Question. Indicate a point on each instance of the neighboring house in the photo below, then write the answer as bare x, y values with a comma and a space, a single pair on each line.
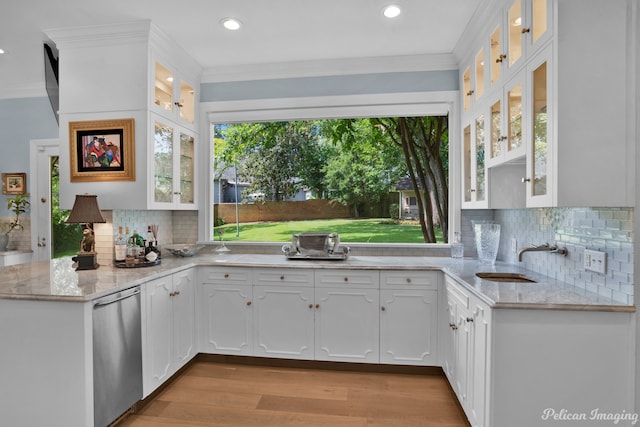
408, 201
225, 187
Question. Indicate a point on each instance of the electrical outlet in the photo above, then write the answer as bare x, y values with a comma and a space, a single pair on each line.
514, 245
595, 261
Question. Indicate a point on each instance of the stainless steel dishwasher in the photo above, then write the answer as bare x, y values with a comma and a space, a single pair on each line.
117, 355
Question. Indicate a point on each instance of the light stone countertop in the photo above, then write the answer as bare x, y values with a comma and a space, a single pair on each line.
57, 279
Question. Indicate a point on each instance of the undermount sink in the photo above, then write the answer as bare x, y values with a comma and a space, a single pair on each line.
505, 277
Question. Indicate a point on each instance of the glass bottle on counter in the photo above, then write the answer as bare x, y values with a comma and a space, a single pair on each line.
120, 246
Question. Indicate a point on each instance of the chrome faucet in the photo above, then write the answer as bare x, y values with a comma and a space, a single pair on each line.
546, 247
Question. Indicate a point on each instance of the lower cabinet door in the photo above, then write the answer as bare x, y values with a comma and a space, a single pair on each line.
158, 359
408, 327
347, 324
184, 319
228, 319
283, 322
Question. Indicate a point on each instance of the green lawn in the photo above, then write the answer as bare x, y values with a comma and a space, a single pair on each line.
376, 230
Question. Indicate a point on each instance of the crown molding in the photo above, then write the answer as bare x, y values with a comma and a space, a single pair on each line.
100, 35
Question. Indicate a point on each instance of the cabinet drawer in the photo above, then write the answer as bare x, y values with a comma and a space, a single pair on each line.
455, 292
351, 278
283, 277
225, 275
407, 279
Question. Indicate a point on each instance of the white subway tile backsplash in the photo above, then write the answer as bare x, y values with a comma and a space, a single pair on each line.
604, 229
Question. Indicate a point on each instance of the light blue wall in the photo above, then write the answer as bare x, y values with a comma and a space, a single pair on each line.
21, 120
357, 84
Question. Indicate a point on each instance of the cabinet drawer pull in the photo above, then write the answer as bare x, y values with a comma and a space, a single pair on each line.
346, 279
226, 275
281, 277
526, 30
178, 104
248, 303
469, 319
501, 58
453, 326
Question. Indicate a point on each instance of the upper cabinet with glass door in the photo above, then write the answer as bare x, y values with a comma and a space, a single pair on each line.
526, 28
172, 185
173, 96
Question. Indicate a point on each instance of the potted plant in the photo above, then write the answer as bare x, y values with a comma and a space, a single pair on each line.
18, 205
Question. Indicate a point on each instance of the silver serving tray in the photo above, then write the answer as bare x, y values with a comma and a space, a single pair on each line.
328, 257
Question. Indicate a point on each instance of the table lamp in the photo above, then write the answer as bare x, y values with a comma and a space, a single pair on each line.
86, 211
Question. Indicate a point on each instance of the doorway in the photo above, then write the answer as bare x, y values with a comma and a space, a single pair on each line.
51, 236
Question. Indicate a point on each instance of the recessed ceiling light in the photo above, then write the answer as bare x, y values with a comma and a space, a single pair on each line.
231, 24
391, 11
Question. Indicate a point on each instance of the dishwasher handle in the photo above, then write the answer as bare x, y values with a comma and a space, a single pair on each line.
120, 298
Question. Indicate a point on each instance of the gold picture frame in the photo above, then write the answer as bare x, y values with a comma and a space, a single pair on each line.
14, 183
102, 150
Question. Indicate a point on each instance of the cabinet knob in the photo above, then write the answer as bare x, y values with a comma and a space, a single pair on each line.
453, 326
176, 293
311, 306
525, 180
469, 319
470, 93
408, 279
501, 58
248, 303
171, 294
502, 138
526, 30
178, 104
383, 308
317, 306
346, 279
226, 276
281, 277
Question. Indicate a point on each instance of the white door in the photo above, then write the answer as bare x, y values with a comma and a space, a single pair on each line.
408, 327
184, 318
347, 327
228, 319
283, 322
41, 152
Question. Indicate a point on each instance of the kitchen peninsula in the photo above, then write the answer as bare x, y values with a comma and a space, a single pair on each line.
557, 345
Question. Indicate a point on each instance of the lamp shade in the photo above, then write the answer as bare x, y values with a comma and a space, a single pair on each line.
85, 210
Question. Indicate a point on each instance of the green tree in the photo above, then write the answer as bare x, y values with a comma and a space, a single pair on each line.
364, 165
276, 158
425, 145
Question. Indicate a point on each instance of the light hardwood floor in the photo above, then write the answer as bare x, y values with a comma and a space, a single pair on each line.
222, 393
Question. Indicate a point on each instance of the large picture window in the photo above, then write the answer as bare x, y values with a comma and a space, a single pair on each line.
338, 164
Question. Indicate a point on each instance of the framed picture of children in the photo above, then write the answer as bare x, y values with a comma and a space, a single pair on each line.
102, 150
14, 183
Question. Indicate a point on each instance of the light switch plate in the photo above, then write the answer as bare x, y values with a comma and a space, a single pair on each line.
514, 245
595, 261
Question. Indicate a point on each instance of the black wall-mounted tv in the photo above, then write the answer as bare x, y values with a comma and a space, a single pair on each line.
51, 79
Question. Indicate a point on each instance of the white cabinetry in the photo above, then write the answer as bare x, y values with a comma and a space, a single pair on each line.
131, 84
347, 315
227, 315
172, 166
560, 72
283, 313
168, 327
467, 356
409, 317
507, 364
320, 314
